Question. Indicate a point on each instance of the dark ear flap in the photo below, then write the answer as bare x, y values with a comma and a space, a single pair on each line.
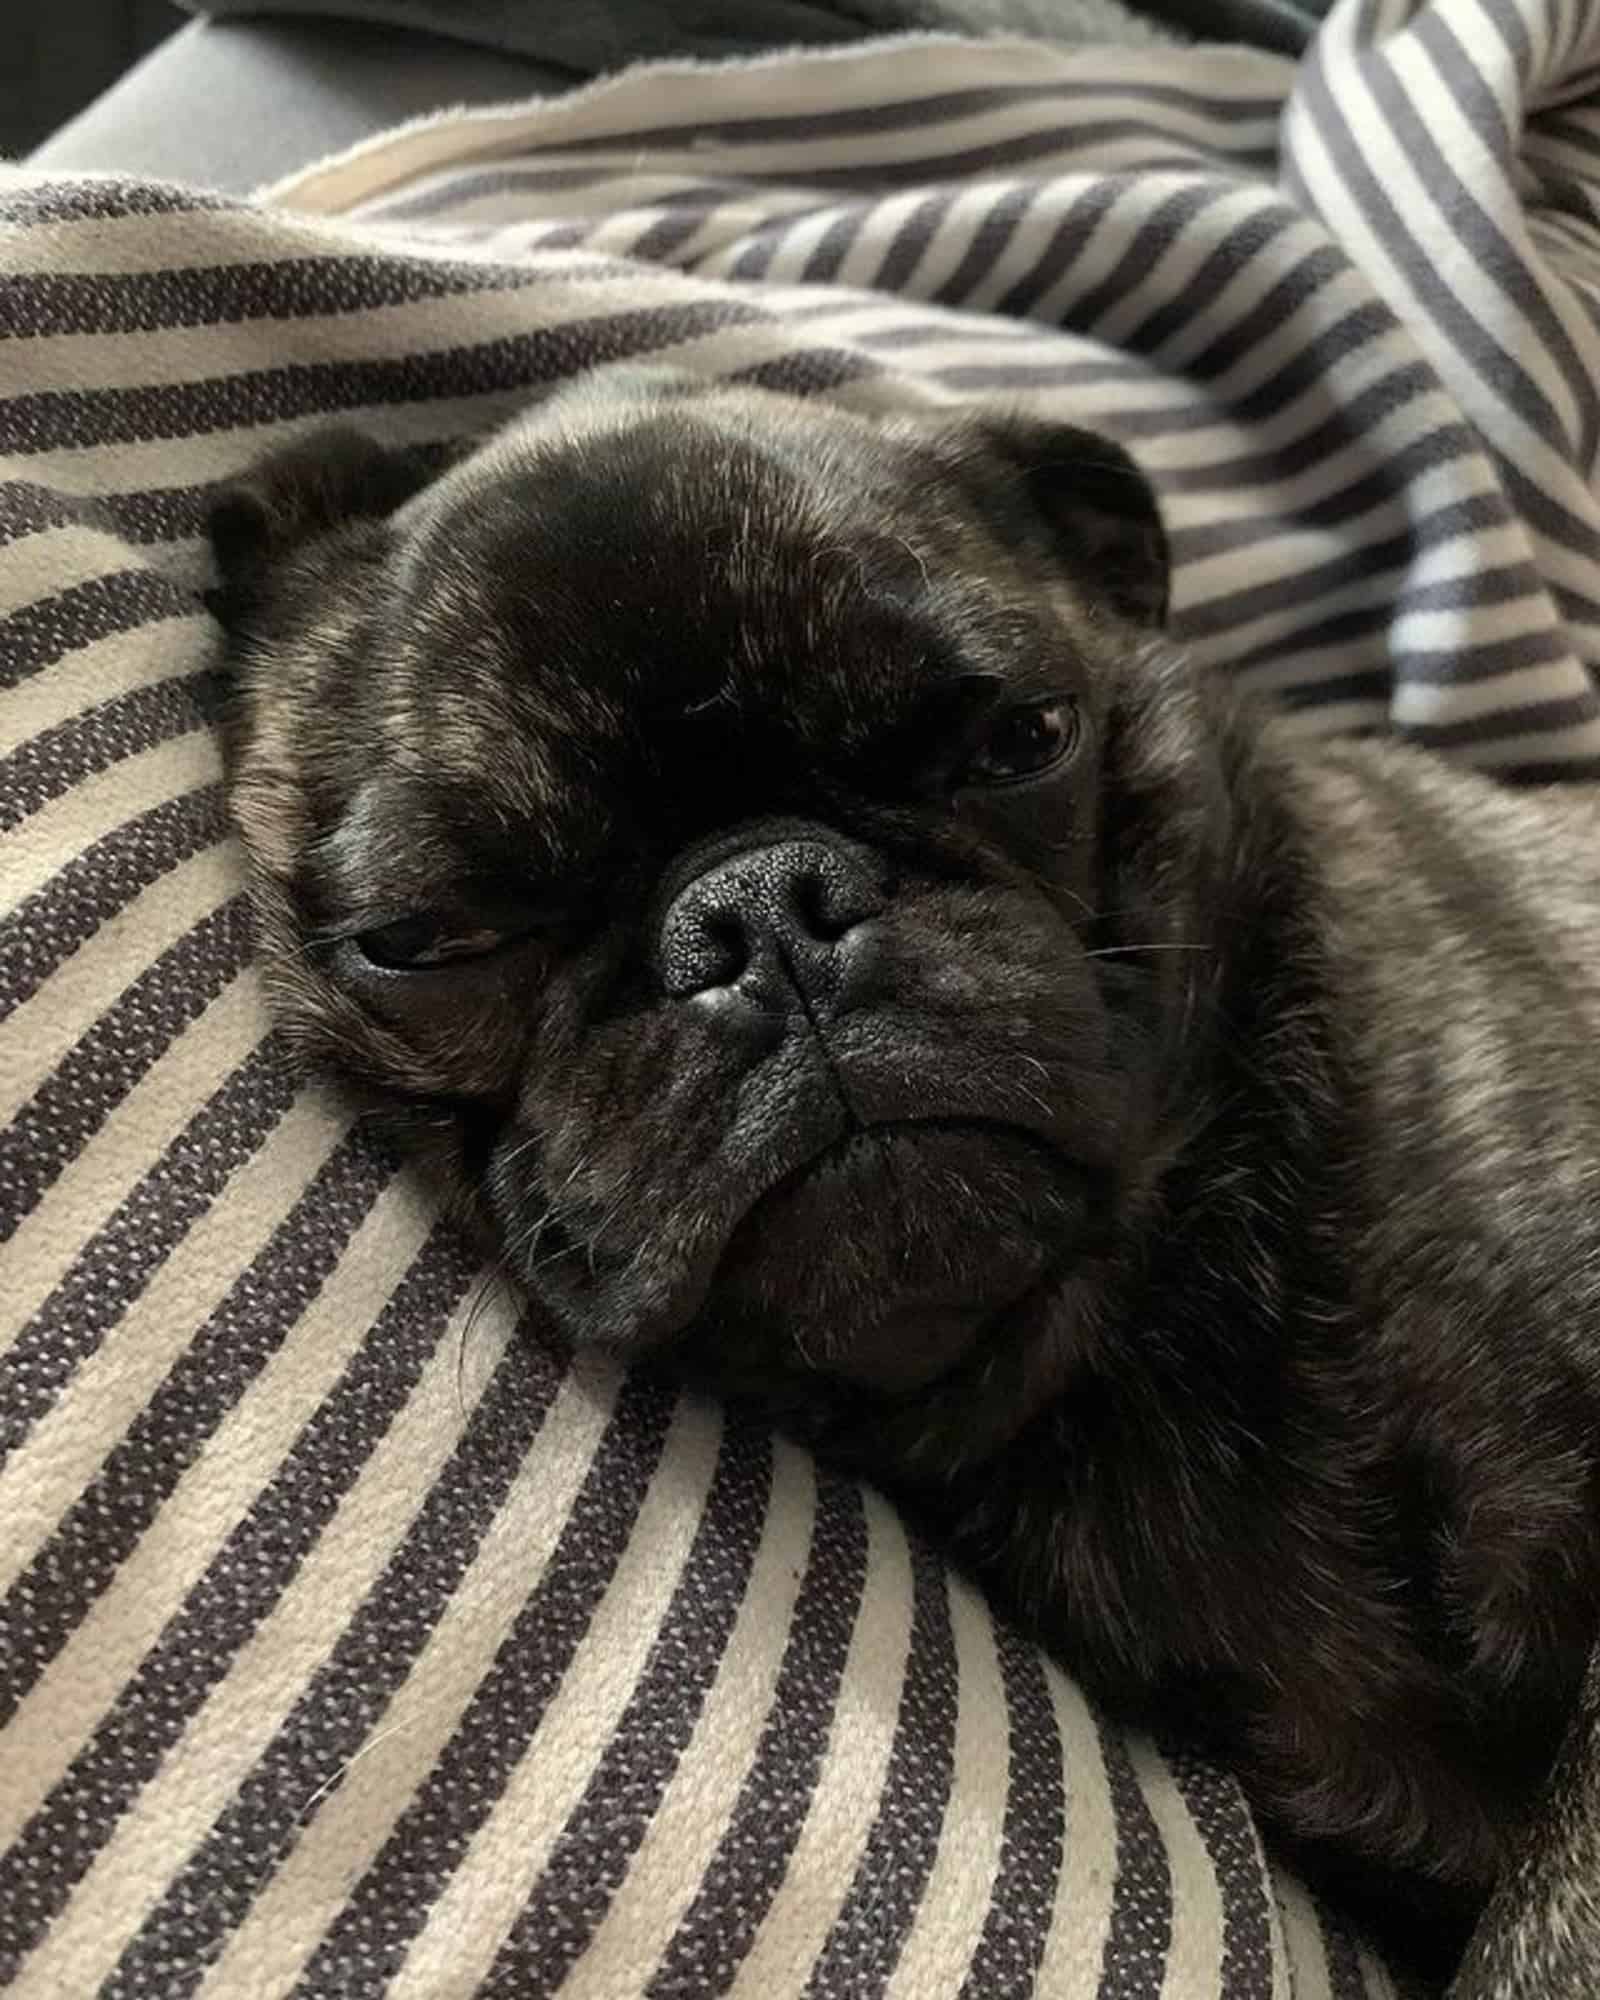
1100, 509
309, 487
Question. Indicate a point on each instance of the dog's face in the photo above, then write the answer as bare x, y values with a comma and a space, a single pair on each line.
754, 847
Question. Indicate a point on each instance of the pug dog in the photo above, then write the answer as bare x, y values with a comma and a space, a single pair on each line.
771, 865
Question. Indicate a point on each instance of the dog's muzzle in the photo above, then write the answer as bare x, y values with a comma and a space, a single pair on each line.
775, 928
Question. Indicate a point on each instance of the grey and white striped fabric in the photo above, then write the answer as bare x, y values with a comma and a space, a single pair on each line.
349, 1644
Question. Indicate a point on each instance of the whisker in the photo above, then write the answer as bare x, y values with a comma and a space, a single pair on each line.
337, 1777
1120, 950
494, 1276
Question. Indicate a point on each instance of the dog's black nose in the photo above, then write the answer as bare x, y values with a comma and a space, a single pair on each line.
772, 923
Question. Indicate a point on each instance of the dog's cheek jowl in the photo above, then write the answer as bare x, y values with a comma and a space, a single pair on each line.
465, 1033
605, 1180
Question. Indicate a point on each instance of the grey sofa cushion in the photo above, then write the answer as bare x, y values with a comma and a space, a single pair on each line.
586, 33
234, 104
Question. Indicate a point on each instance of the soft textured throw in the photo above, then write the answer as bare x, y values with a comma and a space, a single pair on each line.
349, 1644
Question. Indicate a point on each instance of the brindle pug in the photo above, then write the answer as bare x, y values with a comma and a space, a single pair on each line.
767, 859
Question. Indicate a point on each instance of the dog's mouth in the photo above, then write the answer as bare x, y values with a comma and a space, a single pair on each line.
878, 1258
892, 1254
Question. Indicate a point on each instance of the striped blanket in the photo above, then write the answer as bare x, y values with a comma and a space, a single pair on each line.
350, 1644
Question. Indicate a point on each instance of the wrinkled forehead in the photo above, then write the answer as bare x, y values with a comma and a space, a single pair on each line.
659, 430
671, 616
654, 556
680, 501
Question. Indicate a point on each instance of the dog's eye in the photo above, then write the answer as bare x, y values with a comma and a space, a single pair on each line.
1022, 742
416, 943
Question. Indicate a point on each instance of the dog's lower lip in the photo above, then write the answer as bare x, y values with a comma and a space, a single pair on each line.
600, 1316
864, 1136
948, 1281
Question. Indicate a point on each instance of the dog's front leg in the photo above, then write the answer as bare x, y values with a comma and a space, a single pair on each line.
1539, 1939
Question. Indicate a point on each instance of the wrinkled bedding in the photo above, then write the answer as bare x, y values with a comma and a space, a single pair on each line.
352, 1643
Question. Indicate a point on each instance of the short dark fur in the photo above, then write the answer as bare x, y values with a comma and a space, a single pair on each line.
1178, 1174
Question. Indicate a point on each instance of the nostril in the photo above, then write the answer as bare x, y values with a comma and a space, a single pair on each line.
704, 943
730, 948
815, 908
830, 901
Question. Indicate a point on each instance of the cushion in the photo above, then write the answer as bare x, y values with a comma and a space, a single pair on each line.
595, 35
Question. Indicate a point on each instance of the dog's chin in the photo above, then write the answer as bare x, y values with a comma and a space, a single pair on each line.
894, 1257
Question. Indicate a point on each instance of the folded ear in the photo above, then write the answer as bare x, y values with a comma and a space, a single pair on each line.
1099, 508
306, 490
